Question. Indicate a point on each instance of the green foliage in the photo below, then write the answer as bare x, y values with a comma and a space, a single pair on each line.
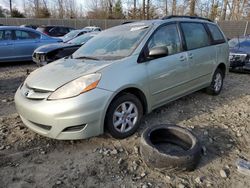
118, 11
17, 14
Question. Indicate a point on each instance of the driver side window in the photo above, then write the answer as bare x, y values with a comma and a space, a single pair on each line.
166, 36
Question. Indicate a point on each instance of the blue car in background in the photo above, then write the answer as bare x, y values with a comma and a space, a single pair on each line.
19, 43
239, 54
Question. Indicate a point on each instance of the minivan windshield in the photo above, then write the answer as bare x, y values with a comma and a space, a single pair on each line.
115, 43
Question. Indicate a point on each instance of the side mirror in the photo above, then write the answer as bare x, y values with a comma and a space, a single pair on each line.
158, 52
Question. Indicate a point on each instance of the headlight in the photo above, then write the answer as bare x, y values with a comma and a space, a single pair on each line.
76, 87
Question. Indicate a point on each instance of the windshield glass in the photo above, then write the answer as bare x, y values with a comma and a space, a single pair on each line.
114, 43
81, 39
71, 34
239, 42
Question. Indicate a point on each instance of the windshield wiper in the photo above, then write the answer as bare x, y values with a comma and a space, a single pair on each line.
86, 57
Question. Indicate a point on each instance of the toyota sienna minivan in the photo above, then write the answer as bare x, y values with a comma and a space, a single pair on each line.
121, 74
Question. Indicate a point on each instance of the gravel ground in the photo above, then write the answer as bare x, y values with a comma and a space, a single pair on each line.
222, 124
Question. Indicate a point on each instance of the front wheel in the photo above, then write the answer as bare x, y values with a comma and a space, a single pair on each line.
124, 115
217, 83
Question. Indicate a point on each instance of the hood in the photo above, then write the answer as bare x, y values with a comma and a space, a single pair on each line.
56, 74
241, 50
50, 47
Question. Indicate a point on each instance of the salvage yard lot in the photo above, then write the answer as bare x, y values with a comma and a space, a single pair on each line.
222, 124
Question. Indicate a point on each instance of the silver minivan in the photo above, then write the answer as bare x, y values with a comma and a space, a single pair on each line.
120, 75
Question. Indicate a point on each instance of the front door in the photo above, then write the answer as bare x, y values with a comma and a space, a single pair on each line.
25, 43
167, 75
6, 45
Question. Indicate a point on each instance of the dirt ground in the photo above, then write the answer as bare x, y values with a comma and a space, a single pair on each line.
222, 124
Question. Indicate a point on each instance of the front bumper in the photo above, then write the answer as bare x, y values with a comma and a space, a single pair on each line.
68, 119
238, 60
40, 59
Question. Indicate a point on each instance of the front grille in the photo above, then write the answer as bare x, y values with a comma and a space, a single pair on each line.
35, 93
37, 89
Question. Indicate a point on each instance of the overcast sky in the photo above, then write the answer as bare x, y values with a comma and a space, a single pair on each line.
19, 4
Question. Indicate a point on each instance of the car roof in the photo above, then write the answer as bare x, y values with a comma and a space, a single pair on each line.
17, 27
92, 27
43, 26
169, 19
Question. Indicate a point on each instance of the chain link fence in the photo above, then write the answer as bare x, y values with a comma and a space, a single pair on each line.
230, 28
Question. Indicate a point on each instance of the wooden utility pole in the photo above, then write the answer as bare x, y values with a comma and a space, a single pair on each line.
148, 12
134, 9
174, 7
143, 9
166, 8
192, 8
11, 7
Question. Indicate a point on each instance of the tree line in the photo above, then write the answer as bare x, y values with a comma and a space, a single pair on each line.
130, 9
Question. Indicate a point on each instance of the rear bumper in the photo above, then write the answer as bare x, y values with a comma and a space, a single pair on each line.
68, 119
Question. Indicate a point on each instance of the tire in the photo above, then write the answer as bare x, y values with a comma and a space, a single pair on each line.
216, 84
119, 121
158, 158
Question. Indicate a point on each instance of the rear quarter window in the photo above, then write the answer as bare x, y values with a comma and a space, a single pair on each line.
195, 35
216, 34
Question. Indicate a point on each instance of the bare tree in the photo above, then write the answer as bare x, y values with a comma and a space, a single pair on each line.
60, 5
224, 11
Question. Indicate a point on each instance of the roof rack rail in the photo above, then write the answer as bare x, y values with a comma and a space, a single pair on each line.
190, 17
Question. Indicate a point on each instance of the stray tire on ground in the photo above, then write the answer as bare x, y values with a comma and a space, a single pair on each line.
170, 147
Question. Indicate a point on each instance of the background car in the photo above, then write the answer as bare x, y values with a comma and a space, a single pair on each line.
18, 44
55, 31
74, 34
93, 28
30, 26
48, 53
239, 54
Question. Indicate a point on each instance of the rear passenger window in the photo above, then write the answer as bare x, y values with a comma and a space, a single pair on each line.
195, 35
216, 33
26, 35
5, 35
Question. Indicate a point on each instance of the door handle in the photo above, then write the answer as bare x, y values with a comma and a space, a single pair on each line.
190, 56
8, 44
182, 58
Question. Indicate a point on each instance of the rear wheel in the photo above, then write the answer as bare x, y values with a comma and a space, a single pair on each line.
124, 115
217, 83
